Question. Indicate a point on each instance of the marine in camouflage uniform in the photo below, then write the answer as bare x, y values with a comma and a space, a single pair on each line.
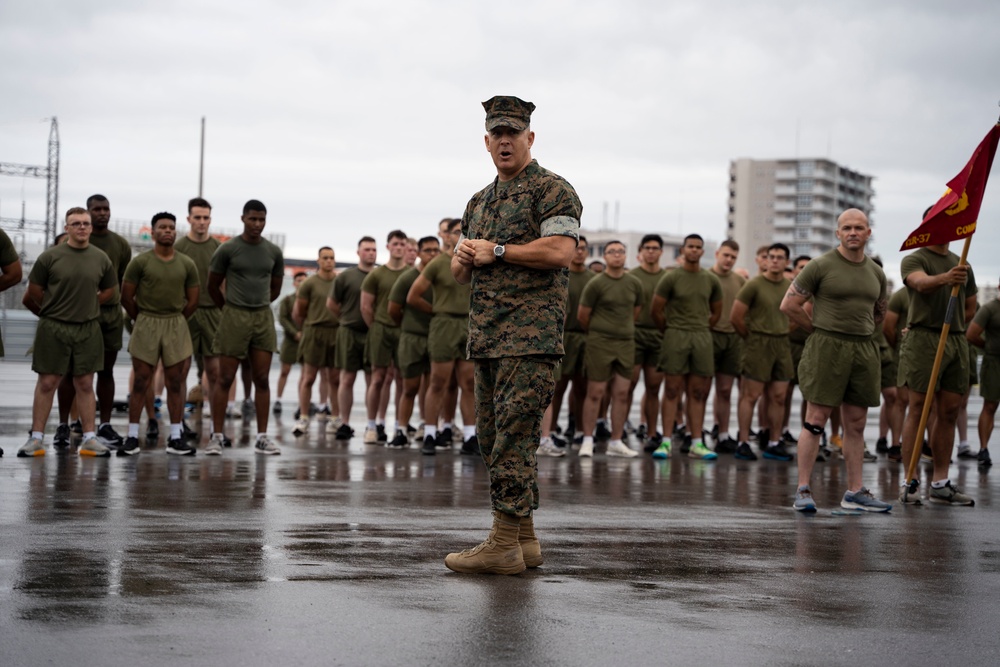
518, 236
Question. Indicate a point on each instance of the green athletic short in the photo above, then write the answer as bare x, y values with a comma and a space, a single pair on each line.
383, 345
318, 346
837, 368
414, 360
67, 347
917, 358
202, 326
448, 338
767, 358
241, 329
289, 351
574, 346
351, 353
156, 339
687, 353
647, 346
989, 378
605, 357
973, 365
112, 322
797, 350
727, 348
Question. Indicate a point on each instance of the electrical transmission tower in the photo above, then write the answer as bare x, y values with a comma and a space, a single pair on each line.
49, 227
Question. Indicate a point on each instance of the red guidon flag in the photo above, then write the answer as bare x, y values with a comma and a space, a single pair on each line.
954, 216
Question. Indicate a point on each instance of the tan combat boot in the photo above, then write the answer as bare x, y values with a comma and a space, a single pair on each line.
499, 554
531, 550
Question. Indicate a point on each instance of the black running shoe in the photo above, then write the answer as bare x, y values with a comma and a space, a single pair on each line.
380, 435
686, 443
763, 437
894, 453
727, 445
777, 453
180, 447
108, 437
744, 453
61, 441
187, 432
653, 443
76, 426
984, 458
444, 438
881, 446
427, 449
966, 454
344, 432
152, 431
789, 439
400, 441
471, 447
602, 432
641, 433
130, 448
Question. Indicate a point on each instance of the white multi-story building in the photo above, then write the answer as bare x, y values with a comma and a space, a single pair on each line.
792, 201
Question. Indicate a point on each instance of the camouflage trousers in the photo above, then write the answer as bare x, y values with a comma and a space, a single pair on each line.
511, 396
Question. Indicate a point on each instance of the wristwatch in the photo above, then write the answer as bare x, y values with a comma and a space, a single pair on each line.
498, 251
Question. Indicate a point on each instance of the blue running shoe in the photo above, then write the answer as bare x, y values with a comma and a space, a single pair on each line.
862, 499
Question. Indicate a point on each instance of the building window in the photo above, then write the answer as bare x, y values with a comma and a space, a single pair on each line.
806, 168
805, 185
804, 201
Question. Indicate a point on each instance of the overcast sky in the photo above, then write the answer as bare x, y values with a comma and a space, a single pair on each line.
351, 118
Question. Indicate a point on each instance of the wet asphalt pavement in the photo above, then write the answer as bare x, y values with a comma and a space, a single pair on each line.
332, 554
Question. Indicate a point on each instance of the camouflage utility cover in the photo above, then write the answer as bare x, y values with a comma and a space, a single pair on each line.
515, 310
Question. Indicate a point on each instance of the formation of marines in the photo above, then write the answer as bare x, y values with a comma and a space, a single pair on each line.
497, 318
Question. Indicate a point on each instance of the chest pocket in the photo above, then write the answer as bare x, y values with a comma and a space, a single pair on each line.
510, 218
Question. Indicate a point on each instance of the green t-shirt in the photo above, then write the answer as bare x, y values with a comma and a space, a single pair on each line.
844, 293
379, 283
613, 301
346, 291
248, 269
577, 281
450, 298
315, 290
119, 252
899, 303
8, 253
731, 283
201, 253
285, 316
414, 321
763, 299
988, 317
928, 310
70, 279
515, 310
161, 285
689, 296
649, 281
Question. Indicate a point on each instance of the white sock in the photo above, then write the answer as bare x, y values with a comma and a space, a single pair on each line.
38, 435
445, 425
431, 431
940, 484
468, 432
175, 431
615, 443
261, 435
371, 424
133, 430
88, 435
588, 441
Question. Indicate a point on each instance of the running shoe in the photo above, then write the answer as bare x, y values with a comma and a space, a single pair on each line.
399, 441
642, 432
548, 448
152, 431
894, 453
187, 432
663, 451
602, 432
301, 426
700, 451
558, 440
180, 447
109, 437
949, 495
586, 450
344, 432
62, 440
744, 452
445, 438
429, 446
686, 443
804, 500
789, 439
371, 436
215, 445
380, 435
926, 455
763, 437
248, 409
862, 499
76, 426
234, 413
33, 447
984, 458
881, 446
94, 447
471, 446
823, 454
869, 457
130, 448
653, 443
727, 445
276, 409
620, 449
265, 446
965, 452
908, 497
776, 453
